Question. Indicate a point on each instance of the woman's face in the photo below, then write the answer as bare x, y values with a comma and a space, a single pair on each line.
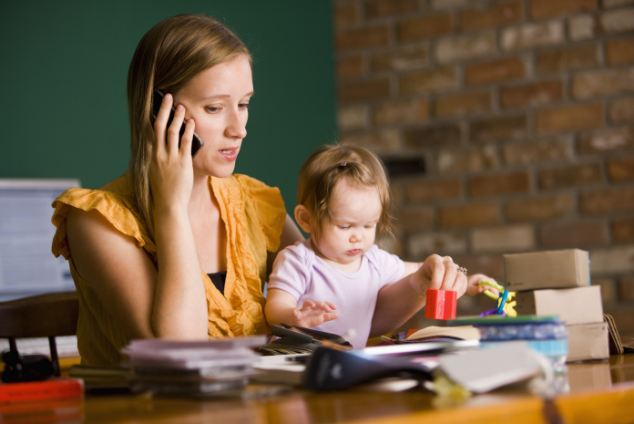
217, 99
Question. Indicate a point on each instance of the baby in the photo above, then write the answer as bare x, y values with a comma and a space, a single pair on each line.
339, 280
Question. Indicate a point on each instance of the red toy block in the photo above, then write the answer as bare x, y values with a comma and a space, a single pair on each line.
441, 304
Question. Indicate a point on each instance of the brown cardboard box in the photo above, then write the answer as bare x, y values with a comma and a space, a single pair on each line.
587, 341
547, 269
580, 305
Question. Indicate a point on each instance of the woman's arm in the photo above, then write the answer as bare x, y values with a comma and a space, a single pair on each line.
125, 280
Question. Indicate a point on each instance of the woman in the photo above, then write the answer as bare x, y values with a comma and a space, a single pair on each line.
178, 246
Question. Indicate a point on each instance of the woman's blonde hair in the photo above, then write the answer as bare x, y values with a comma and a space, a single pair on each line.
328, 165
168, 56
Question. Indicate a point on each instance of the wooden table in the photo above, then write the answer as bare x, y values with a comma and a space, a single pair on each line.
599, 392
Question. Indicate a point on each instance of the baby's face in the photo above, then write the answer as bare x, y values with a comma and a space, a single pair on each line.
351, 229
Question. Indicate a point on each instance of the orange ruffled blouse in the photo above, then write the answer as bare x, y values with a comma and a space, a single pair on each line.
254, 216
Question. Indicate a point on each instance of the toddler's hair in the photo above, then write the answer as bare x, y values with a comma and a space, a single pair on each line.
331, 163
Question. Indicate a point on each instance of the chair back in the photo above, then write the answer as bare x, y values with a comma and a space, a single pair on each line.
47, 315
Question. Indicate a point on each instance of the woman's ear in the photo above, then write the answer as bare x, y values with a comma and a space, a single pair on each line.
303, 217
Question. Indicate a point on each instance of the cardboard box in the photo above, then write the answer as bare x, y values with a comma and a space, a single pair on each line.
580, 305
587, 341
547, 269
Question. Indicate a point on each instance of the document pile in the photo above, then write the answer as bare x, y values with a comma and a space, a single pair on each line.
192, 368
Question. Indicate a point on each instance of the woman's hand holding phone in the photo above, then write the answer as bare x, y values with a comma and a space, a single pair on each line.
157, 100
171, 171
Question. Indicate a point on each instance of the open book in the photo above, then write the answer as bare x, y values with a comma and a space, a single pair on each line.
437, 333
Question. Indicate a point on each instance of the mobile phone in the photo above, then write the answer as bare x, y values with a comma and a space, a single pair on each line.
157, 99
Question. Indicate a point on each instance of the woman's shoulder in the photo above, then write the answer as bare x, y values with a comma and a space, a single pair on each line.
113, 202
114, 199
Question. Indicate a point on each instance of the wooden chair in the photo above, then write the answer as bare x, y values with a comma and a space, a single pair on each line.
48, 315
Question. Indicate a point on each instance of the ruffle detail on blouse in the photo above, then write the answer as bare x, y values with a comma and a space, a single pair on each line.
110, 205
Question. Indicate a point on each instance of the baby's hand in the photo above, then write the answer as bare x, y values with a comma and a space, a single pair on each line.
474, 287
313, 313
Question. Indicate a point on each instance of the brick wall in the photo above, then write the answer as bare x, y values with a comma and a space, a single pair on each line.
522, 112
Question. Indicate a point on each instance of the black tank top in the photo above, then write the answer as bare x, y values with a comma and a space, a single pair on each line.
219, 278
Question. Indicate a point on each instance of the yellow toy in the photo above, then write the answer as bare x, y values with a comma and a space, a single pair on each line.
505, 299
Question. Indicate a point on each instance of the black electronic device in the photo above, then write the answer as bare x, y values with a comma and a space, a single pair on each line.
157, 99
296, 340
334, 369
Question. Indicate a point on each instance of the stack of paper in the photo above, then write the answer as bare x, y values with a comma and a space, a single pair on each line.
210, 367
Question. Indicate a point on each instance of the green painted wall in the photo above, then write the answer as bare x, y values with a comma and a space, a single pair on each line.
63, 69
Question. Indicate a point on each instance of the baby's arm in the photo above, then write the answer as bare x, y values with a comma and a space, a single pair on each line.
281, 307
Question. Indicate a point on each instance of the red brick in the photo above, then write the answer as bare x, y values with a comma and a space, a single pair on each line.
351, 66
347, 14
421, 245
612, 260
622, 230
621, 168
607, 200
582, 27
412, 111
424, 27
620, 20
464, 160
491, 185
353, 117
414, 218
574, 234
550, 8
361, 91
501, 14
607, 4
619, 51
570, 176
463, 103
498, 128
575, 57
504, 238
532, 34
607, 140
490, 265
426, 81
540, 208
531, 94
469, 215
539, 151
608, 289
382, 141
602, 82
400, 59
461, 47
433, 136
622, 110
375, 36
382, 8
423, 191
569, 118
495, 71
626, 289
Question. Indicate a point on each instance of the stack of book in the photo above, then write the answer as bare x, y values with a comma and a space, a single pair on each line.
558, 283
192, 368
545, 334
